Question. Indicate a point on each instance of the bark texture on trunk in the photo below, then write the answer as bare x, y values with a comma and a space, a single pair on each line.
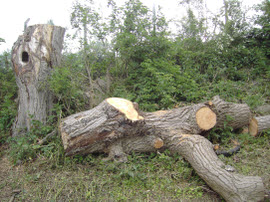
116, 118
230, 114
263, 110
259, 124
117, 127
34, 55
198, 151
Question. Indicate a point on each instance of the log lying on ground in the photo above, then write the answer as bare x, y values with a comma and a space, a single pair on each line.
115, 118
259, 124
232, 114
117, 128
263, 110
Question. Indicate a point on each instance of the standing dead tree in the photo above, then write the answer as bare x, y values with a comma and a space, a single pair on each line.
34, 55
117, 127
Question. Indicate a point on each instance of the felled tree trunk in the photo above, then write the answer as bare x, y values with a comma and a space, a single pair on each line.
258, 124
230, 114
263, 110
34, 55
117, 127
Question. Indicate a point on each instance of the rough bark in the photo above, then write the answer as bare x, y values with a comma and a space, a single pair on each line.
117, 127
115, 118
230, 114
34, 55
263, 110
259, 124
231, 186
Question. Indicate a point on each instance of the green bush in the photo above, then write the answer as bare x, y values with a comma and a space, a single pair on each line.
8, 106
26, 148
67, 84
160, 84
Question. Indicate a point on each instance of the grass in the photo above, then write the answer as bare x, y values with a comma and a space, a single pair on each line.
145, 177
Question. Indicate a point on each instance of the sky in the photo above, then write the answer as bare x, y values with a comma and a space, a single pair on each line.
13, 14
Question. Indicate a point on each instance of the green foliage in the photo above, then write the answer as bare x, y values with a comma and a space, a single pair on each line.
150, 85
2, 40
222, 136
8, 93
260, 36
26, 148
192, 28
7, 115
67, 84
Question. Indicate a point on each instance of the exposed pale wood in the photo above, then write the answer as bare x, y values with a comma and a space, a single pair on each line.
34, 55
230, 114
126, 107
258, 124
206, 118
158, 143
115, 128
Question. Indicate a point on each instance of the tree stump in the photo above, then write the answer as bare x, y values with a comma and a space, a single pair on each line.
117, 127
34, 55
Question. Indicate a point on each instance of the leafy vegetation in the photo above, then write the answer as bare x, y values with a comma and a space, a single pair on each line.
132, 54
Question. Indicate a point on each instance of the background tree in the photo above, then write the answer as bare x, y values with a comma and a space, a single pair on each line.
260, 36
1, 40
8, 94
86, 19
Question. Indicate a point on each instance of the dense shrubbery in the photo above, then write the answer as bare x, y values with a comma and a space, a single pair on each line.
8, 94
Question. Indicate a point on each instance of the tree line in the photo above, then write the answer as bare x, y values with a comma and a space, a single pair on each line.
131, 53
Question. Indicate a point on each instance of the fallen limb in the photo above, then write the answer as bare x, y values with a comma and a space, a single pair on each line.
116, 127
45, 139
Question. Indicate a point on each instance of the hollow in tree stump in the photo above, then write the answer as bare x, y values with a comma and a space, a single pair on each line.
34, 55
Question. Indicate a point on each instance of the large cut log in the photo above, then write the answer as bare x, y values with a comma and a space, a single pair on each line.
34, 55
230, 114
117, 127
115, 118
259, 124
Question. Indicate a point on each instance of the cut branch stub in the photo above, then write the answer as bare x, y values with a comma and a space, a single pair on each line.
258, 124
